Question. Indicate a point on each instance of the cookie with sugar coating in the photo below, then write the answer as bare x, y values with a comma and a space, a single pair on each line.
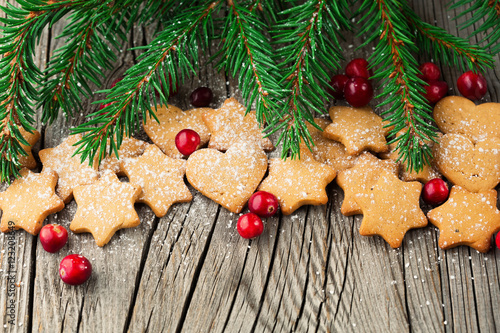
228, 178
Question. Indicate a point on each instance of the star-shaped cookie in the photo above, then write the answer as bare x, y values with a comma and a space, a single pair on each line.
105, 207
328, 151
467, 218
427, 173
298, 182
360, 179
28, 161
71, 172
172, 120
358, 129
29, 200
391, 208
130, 147
228, 125
161, 179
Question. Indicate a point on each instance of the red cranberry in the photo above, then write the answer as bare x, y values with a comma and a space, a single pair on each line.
201, 97
75, 269
472, 85
53, 237
497, 240
338, 84
435, 91
358, 68
250, 226
263, 203
172, 88
187, 141
358, 91
435, 192
115, 82
430, 72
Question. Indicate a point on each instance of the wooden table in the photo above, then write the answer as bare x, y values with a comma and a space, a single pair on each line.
191, 272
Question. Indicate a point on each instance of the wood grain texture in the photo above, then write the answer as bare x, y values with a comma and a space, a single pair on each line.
309, 272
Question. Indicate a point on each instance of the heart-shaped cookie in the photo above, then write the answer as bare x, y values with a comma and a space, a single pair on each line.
227, 178
454, 114
473, 166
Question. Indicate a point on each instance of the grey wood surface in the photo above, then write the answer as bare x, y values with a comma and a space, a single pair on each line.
191, 272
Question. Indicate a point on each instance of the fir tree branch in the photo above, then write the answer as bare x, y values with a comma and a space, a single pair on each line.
82, 59
246, 50
398, 73
447, 48
489, 10
19, 74
174, 49
309, 33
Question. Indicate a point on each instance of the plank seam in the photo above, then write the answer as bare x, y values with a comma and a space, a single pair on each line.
268, 278
138, 278
196, 275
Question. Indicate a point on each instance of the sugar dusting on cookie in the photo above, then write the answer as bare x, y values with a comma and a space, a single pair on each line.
231, 178
229, 124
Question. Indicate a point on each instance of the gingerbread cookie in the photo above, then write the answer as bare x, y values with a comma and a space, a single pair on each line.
358, 129
161, 179
454, 114
473, 166
69, 168
467, 219
28, 161
130, 147
361, 178
228, 124
298, 182
172, 120
228, 179
427, 172
391, 208
29, 200
328, 151
105, 207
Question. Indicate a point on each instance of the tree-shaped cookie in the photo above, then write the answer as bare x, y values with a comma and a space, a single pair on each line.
298, 182
105, 207
467, 218
161, 179
71, 171
229, 124
172, 120
391, 208
29, 200
358, 129
360, 179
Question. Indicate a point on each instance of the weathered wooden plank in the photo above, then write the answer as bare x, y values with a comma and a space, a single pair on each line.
17, 248
181, 241
102, 304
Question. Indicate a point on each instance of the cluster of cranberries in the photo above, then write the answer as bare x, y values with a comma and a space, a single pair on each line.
435, 88
74, 269
355, 85
261, 204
